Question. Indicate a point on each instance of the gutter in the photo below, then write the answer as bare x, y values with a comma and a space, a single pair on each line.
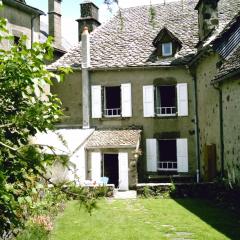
145, 67
197, 151
226, 76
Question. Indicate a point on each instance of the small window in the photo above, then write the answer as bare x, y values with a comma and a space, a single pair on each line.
167, 49
167, 155
16, 40
166, 100
112, 101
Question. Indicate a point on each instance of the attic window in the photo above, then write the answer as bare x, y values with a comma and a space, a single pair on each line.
166, 43
167, 49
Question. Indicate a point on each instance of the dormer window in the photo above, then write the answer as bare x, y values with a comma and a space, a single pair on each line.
167, 49
166, 44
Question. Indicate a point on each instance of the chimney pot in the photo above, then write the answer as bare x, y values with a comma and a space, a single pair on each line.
88, 18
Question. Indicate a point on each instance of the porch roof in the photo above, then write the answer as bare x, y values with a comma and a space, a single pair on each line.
114, 139
62, 141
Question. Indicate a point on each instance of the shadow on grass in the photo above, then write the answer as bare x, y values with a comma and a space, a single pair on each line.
220, 219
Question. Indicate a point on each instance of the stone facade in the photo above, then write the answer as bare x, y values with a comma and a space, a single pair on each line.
178, 127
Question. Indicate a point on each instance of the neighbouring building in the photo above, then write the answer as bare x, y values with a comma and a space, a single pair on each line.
23, 19
144, 87
216, 74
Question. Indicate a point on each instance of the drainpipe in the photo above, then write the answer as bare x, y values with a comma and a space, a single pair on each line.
196, 121
221, 128
85, 77
32, 27
196, 127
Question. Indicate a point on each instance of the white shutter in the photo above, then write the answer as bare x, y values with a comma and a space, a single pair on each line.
96, 101
152, 154
96, 158
126, 96
148, 101
182, 155
182, 97
123, 170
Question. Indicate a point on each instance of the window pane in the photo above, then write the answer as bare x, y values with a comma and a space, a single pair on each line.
167, 49
168, 150
113, 99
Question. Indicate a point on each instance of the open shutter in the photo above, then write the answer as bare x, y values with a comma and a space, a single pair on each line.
126, 95
96, 158
152, 155
148, 101
96, 101
182, 155
182, 97
123, 170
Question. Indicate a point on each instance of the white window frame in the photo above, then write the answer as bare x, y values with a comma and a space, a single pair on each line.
164, 53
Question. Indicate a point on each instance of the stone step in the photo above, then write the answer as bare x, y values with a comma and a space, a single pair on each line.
125, 194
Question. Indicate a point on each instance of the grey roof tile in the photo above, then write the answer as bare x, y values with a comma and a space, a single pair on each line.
231, 65
128, 43
114, 138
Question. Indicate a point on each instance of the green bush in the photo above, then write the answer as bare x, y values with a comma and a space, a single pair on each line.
33, 232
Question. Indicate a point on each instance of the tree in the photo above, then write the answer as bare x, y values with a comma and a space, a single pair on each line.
25, 109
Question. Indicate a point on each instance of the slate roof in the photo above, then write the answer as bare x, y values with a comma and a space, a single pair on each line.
126, 41
114, 139
231, 65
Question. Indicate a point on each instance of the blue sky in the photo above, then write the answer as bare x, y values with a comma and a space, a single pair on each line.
70, 12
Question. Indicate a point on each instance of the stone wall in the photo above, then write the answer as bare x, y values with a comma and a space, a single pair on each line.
208, 108
231, 127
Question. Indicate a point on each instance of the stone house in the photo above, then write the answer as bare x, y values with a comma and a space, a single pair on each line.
145, 89
23, 19
216, 76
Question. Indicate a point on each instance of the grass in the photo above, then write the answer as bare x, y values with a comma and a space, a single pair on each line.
150, 219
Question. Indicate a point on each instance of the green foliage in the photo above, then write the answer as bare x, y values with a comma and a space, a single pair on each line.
25, 109
33, 231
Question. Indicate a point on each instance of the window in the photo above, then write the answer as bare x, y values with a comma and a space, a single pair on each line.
16, 40
167, 49
167, 160
170, 155
112, 101
165, 101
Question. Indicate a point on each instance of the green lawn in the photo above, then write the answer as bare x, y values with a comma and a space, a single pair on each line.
150, 219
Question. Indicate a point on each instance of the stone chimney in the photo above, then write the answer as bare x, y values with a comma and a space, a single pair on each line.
207, 17
54, 21
85, 78
89, 17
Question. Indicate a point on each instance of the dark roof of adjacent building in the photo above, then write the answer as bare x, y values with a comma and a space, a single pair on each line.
230, 66
127, 39
114, 138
